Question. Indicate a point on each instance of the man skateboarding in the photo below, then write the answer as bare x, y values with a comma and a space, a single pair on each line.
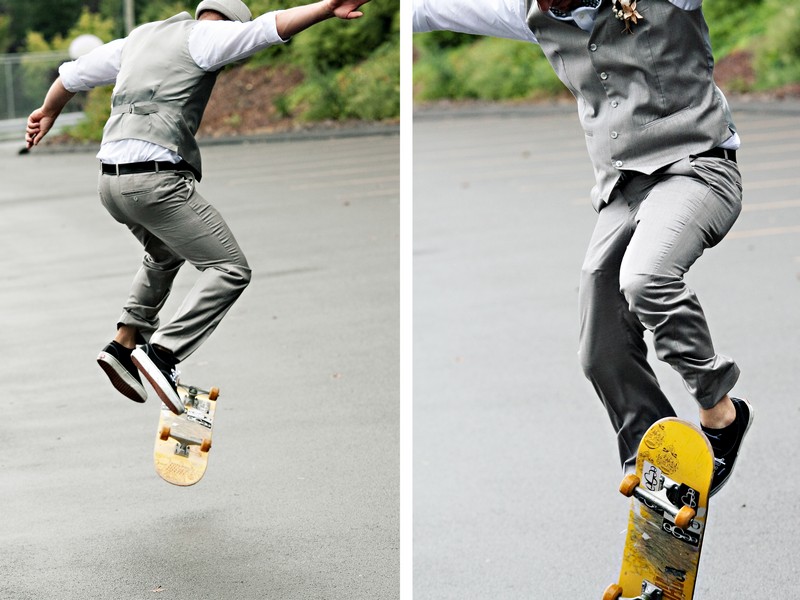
164, 73
663, 147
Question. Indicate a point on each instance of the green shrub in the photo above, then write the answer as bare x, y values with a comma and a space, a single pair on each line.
733, 24
96, 113
368, 91
334, 44
371, 90
486, 69
778, 54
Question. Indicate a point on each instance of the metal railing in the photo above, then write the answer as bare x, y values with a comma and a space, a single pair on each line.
25, 79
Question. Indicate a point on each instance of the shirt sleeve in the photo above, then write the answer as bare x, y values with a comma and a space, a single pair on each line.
495, 18
98, 67
214, 44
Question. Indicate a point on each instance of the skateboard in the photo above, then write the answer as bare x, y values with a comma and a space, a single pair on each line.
183, 441
668, 512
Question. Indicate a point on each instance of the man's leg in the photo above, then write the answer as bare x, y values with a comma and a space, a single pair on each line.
151, 285
679, 218
196, 231
148, 292
140, 318
686, 212
612, 348
174, 223
126, 336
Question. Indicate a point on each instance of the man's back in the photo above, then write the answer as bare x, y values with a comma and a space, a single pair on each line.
161, 92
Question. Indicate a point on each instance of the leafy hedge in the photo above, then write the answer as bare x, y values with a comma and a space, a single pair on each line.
352, 70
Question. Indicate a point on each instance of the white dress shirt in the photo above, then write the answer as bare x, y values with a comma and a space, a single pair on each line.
212, 45
508, 19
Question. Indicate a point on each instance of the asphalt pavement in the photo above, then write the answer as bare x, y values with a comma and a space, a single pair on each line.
301, 496
515, 466
515, 462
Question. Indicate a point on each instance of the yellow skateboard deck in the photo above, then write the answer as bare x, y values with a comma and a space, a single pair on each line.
183, 441
669, 507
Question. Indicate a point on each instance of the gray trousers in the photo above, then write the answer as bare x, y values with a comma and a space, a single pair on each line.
175, 224
652, 230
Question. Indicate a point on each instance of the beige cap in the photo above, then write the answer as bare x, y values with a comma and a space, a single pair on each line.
235, 10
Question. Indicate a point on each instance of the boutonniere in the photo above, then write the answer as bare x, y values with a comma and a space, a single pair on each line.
625, 11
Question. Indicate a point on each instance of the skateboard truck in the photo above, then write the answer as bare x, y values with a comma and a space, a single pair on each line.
182, 443
649, 592
682, 515
191, 396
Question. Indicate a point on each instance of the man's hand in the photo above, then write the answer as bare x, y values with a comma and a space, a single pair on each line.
346, 9
38, 125
41, 120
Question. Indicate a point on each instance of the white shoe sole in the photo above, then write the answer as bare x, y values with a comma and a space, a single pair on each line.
156, 378
120, 378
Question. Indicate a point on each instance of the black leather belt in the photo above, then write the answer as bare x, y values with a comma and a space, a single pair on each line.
150, 166
719, 153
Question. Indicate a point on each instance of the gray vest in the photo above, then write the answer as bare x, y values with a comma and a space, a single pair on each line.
160, 94
645, 99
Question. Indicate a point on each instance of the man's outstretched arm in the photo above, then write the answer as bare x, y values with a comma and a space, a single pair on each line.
294, 20
98, 67
494, 18
41, 120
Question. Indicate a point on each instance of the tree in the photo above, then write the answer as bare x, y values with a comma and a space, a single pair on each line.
48, 17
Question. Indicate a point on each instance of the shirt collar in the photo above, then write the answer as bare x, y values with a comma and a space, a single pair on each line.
583, 16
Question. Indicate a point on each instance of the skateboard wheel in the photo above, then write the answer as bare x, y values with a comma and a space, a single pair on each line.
213, 393
629, 483
613, 592
684, 517
206, 445
164, 433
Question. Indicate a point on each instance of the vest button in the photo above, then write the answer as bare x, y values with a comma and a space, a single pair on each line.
593, 47
614, 104
604, 75
618, 164
614, 135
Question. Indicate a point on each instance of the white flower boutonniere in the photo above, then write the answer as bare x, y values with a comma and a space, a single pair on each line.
625, 11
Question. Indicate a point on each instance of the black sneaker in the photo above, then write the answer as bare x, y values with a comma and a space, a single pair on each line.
160, 371
726, 442
115, 360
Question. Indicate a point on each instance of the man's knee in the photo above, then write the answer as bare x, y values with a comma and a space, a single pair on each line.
590, 359
238, 276
232, 279
641, 290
